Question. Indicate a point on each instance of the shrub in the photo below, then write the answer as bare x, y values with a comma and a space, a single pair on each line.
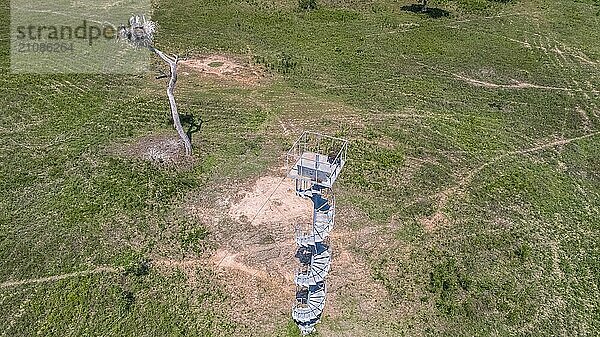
307, 4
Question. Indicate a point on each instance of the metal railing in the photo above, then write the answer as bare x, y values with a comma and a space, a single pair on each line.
333, 148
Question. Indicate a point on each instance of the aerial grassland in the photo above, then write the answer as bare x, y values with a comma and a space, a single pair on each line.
470, 204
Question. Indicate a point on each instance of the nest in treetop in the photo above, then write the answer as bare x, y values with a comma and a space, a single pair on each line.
139, 33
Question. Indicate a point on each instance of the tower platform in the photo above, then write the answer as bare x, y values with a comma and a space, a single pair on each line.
317, 158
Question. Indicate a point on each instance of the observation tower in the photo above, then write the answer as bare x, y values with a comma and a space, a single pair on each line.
314, 162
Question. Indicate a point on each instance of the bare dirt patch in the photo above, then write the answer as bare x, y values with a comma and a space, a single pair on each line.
252, 224
259, 305
276, 260
161, 149
225, 259
277, 197
437, 220
263, 243
224, 67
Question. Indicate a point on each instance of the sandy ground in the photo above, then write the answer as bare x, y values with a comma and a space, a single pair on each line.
268, 213
259, 273
283, 206
224, 68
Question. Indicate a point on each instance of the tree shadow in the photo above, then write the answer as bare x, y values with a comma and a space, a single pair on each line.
434, 13
189, 122
193, 125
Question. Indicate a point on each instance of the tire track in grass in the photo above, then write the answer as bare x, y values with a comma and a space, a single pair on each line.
458, 189
98, 270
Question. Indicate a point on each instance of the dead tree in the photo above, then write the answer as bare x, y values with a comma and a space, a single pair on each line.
140, 34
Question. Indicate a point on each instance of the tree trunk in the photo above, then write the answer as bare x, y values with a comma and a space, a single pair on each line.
176, 121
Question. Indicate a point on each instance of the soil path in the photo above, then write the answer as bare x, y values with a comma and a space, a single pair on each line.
59, 277
445, 195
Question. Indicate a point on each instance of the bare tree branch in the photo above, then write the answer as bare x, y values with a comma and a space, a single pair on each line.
140, 34
170, 93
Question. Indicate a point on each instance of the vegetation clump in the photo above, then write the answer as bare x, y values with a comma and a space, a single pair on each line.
307, 5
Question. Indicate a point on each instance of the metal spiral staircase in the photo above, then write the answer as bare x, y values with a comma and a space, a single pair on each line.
314, 162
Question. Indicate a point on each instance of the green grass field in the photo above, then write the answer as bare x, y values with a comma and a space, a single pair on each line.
472, 193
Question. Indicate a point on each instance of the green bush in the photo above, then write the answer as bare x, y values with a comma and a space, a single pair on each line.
449, 283
307, 4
